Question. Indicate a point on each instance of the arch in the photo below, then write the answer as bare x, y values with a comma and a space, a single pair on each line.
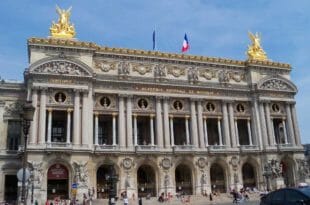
61, 66
146, 181
102, 176
276, 83
58, 181
288, 171
218, 178
183, 179
248, 175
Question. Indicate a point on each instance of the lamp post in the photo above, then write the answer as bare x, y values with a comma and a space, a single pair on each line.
112, 178
27, 116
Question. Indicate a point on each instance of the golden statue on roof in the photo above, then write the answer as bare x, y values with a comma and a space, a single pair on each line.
63, 28
255, 51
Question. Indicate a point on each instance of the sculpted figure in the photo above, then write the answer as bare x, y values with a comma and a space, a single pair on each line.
63, 28
255, 51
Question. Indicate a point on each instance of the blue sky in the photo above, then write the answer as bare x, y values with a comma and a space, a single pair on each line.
214, 28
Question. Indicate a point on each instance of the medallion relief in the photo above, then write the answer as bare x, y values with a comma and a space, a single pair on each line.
105, 66
141, 68
176, 71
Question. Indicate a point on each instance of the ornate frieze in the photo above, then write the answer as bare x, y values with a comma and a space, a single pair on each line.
208, 74
276, 83
176, 71
142, 69
13, 109
193, 75
61, 68
105, 66
160, 71
124, 68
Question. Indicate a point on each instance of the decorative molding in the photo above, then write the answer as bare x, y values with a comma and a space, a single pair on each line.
142, 69
276, 83
60, 68
13, 109
105, 66
208, 74
176, 71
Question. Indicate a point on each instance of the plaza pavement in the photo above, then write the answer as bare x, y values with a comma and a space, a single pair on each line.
223, 199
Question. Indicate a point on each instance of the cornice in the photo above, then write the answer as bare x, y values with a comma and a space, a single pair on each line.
72, 43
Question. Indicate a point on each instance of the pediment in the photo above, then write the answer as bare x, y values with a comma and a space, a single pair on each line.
276, 83
60, 67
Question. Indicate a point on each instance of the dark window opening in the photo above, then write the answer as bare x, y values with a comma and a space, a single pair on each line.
213, 134
143, 130
243, 132
105, 130
279, 131
10, 190
179, 131
14, 135
59, 126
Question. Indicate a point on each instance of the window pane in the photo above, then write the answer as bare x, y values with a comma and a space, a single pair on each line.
14, 134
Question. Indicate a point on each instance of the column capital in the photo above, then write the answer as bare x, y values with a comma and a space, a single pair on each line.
204, 117
228, 101
166, 98
170, 116
158, 97
114, 114
283, 118
264, 101
219, 118
96, 113
134, 114
290, 102
69, 110
152, 115
49, 109
43, 89
187, 116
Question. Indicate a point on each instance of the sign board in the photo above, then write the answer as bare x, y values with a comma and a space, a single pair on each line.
57, 171
74, 186
20, 174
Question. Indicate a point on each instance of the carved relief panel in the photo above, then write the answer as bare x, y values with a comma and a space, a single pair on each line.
60, 97
179, 105
242, 109
143, 104
212, 108
105, 102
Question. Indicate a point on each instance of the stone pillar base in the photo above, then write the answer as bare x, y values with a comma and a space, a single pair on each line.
278, 183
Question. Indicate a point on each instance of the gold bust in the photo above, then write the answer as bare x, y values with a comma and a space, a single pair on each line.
63, 28
255, 51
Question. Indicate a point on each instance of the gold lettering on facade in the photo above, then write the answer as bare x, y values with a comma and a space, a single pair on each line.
60, 81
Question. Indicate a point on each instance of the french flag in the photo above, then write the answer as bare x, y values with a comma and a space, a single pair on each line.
185, 46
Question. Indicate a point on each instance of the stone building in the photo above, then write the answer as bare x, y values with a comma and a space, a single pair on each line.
162, 122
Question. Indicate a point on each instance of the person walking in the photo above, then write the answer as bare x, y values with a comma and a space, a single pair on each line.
125, 200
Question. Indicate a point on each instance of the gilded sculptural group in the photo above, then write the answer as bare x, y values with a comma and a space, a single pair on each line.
63, 28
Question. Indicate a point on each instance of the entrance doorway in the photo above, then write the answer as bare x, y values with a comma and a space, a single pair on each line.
217, 178
10, 190
146, 181
103, 183
183, 180
57, 182
248, 176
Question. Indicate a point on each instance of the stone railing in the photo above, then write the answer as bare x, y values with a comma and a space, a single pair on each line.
145, 148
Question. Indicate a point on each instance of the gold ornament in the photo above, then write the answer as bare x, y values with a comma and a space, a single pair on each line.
255, 51
63, 28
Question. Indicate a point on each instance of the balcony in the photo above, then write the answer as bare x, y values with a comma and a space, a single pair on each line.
183, 148
56, 146
217, 148
249, 148
106, 148
145, 148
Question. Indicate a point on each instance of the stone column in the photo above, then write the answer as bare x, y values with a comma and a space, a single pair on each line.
96, 128
129, 122
49, 126
85, 140
295, 124
234, 138
76, 119
42, 125
114, 128
135, 129
284, 131
201, 123
34, 123
225, 122
263, 125
249, 132
166, 123
255, 122
121, 122
269, 125
219, 128
171, 130
68, 126
237, 131
187, 130
159, 123
205, 128
193, 130
290, 127
152, 129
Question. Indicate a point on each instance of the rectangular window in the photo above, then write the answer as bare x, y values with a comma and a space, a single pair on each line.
14, 134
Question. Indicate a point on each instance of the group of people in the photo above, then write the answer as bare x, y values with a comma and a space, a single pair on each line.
239, 196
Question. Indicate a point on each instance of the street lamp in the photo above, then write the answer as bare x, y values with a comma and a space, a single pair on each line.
112, 178
27, 116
